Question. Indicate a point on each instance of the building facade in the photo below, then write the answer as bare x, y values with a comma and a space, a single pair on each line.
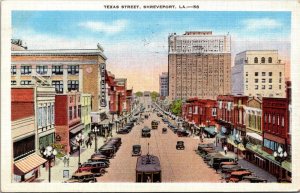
66, 70
199, 65
164, 84
258, 73
86, 107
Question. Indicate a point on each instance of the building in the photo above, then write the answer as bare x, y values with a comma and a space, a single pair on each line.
17, 44
258, 73
146, 100
163, 84
86, 107
121, 87
129, 100
68, 120
26, 161
199, 65
67, 70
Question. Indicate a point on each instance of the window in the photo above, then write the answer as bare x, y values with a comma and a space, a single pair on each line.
246, 73
26, 70
75, 112
73, 85
280, 74
270, 80
269, 60
279, 80
278, 120
270, 73
263, 73
41, 69
246, 80
255, 60
256, 80
256, 73
26, 82
263, 60
266, 118
263, 80
44, 119
246, 87
214, 112
279, 87
79, 110
269, 118
59, 86
73, 69
49, 115
57, 70
70, 113
270, 87
282, 122
273, 119
52, 114
13, 82
263, 87
40, 115
256, 87
13, 70
190, 110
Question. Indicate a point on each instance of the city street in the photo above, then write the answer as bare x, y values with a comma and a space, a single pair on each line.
177, 165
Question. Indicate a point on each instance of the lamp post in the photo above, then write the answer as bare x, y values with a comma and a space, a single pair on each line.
237, 141
208, 122
50, 153
79, 139
95, 130
280, 155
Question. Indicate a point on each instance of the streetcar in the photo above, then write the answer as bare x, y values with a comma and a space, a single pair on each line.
148, 169
154, 124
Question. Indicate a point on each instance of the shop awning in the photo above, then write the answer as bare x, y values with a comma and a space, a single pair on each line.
240, 146
220, 136
211, 130
255, 136
76, 128
27, 164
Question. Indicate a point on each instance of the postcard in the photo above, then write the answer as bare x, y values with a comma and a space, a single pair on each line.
149, 96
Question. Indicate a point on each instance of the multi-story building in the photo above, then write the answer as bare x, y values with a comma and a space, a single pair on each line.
129, 100
121, 87
68, 120
146, 100
258, 73
67, 70
199, 65
163, 84
26, 161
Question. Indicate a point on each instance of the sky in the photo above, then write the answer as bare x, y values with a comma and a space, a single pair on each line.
136, 42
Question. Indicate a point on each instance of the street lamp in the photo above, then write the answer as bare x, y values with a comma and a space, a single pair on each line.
280, 155
50, 153
95, 130
208, 122
79, 139
237, 141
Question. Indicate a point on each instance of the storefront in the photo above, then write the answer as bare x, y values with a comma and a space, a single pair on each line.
46, 140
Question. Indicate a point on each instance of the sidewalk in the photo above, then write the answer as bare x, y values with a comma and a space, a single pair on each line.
58, 169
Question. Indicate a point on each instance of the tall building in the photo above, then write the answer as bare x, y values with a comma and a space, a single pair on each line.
67, 70
199, 65
163, 84
258, 73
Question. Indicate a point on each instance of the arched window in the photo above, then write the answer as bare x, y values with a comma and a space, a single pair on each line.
263, 60
269, 60
255, 60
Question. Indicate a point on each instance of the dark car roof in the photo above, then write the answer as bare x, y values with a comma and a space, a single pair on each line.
136, 146
146, 129
148, 163
180, 142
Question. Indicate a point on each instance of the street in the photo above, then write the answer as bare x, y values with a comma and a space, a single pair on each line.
177, 165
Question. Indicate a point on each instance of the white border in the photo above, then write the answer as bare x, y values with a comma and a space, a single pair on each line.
217, 5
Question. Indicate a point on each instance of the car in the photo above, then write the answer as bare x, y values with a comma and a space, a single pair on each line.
129, 124
174, 129
164, 130
99, 159
124, 130
136, 150
165, 120
146, 132
180, 145
182, 133
97, 168
82, 177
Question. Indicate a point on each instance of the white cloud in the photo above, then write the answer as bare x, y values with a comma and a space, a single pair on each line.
259, 24
108, 28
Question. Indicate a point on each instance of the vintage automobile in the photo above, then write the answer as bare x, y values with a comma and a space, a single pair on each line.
124, 130
146, 132
253, 179
159, 115
164, 130
237, 176
97, 168
82, 177
208, 157
108, 151
182, 133
174, 129
165, 120
129, 124
209, 145
148, 169
180, 145
136, 150
154, 124
204, 151
227, 163
216, 160
99, 159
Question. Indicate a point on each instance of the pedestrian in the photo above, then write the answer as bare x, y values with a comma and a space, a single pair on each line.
225, 149
68, 159
65, 160
90, 144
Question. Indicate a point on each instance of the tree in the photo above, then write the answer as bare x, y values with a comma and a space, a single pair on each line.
139, 94
154, 95
176, 107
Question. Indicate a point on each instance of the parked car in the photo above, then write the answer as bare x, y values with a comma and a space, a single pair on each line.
82, 177
146, 132
129, 124
253, 179
99, 159
174, 129
97, 168
182, 133
164, 130
165, 120
237, 176
180, 145
124, 130
216, 160
108, 151
136, 150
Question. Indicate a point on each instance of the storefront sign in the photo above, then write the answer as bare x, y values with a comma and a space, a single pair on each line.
102, 86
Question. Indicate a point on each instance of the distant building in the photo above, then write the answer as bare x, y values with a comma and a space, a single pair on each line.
17, 44
199, 65
258, 73
164, 84
146, 100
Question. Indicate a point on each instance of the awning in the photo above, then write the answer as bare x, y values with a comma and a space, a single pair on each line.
240, 146
76, 128
255, 136
220, 136
27, 164
211, 130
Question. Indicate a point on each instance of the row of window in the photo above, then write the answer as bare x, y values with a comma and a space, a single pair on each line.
56, 70
263, 87
263, 60
213, 111
271, 144
264, 73
45, 116
74, 112
59, 86
272, 119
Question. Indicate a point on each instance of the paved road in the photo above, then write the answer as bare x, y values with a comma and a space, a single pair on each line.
177, 165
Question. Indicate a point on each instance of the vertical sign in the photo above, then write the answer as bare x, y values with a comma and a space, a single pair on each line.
102, 86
